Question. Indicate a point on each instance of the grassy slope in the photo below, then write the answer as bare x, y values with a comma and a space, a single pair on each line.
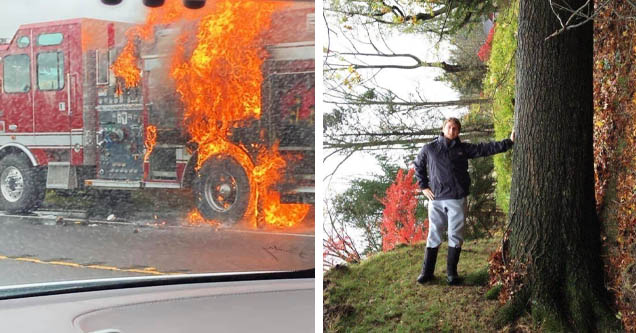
380, 294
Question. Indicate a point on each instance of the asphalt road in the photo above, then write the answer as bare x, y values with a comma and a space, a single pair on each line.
41, 249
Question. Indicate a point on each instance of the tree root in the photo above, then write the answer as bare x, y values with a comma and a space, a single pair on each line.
579, 310
514, 309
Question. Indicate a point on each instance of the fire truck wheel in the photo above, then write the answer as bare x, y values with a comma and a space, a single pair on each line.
22, 186
222, 190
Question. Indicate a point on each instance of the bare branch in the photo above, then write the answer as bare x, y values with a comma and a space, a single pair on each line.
360, 145
432, 131
339, 164
397, 12
585, 17
461, 102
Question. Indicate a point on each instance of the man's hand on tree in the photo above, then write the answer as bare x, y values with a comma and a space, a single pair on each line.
512, 136
428, 193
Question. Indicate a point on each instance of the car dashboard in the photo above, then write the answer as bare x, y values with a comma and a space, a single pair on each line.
254, 302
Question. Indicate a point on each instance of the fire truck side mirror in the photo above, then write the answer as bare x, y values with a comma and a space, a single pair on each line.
194, 4
153, 3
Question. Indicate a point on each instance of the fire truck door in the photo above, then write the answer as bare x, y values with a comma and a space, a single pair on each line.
16, 100
54, 89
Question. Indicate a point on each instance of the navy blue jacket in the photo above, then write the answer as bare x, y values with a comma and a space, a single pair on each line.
442, 165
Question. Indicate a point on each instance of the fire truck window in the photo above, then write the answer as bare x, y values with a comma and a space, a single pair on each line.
51, 71
23, 42
17, 73
50, 39
102, 67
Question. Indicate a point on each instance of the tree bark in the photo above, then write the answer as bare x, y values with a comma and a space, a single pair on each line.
554, 229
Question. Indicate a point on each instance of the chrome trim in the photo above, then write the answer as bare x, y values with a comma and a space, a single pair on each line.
44, 139
151, 184
126, 184
301, 189
12, 184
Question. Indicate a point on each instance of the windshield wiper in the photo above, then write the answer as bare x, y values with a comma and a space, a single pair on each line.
65, 287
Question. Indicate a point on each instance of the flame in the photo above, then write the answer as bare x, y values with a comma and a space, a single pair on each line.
151, 139
126, 66
195, 218
221, 82
118, 90
266, 174
270, 163
218, 75
283, 215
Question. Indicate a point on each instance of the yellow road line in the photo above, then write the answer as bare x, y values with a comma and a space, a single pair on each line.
62, 263
147, 270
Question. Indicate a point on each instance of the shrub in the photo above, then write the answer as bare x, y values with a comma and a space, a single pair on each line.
500, 86
484, 50
399, 225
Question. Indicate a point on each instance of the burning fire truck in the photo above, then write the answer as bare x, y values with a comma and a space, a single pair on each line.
69, 118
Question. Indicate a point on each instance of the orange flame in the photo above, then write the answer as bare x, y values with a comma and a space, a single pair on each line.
266, 174
126, 66
195, 218
221, 82
218, 77
151, 140
283, 215
118, 90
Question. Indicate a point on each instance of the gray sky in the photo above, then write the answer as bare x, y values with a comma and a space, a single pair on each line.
16, 12
401, 82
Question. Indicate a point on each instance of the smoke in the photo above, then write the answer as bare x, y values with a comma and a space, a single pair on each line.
14, 13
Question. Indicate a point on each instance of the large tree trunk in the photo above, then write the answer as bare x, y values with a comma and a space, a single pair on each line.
554, 229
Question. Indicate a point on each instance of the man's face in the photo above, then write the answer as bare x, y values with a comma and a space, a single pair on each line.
451, 130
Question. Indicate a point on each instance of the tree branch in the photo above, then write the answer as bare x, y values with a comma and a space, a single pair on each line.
461, 102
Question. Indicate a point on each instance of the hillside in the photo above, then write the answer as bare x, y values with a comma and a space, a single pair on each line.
380, 294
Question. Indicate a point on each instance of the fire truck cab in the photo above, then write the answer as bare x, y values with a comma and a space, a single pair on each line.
65, 124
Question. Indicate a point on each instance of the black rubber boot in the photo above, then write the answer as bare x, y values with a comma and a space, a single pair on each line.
428, 267
451, 266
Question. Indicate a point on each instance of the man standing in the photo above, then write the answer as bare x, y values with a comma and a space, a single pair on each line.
441, 169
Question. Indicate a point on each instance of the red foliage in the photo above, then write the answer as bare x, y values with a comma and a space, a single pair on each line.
338, 245
398, 218
510, 274
614, 127
484, 50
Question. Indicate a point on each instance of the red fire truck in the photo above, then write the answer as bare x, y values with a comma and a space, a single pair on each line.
65, 124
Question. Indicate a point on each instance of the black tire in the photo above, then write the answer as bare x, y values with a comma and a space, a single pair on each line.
22, 186
222, 190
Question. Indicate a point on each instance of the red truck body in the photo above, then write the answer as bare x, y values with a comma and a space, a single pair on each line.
61, 113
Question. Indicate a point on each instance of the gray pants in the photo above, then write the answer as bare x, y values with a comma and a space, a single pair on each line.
451, 212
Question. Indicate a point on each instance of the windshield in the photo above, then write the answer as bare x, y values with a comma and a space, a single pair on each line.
151, 141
